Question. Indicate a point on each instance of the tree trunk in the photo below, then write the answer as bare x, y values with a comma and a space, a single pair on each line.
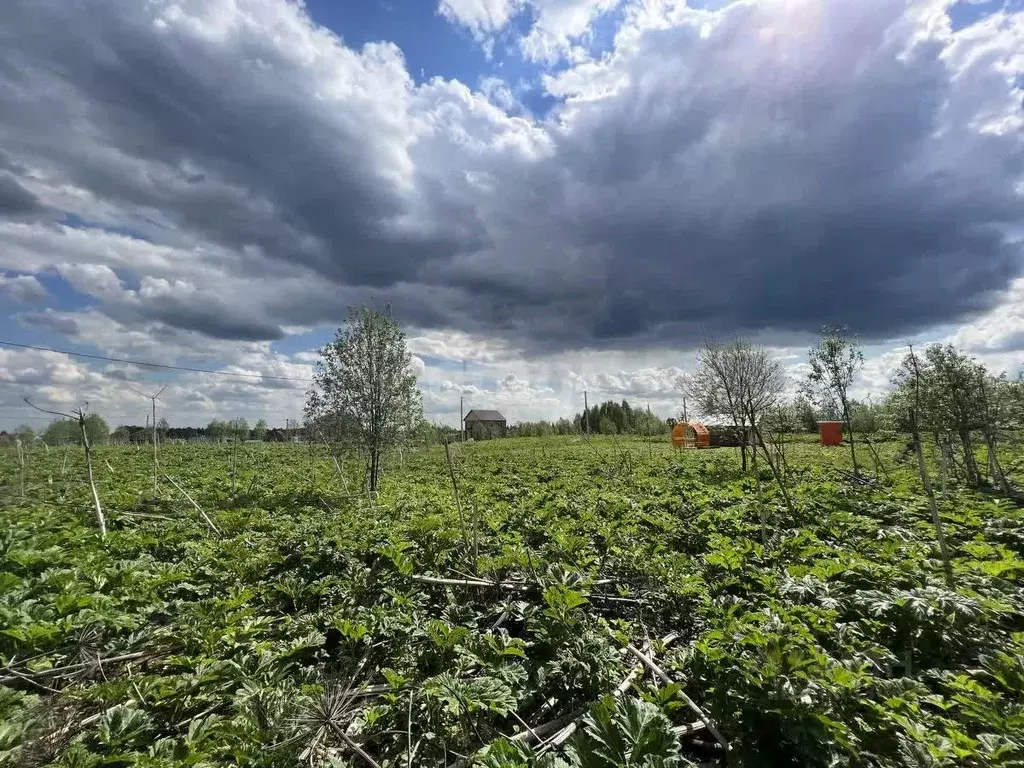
374, 471
943, 472
995, 467
741, 433
775, 471
970, 465
926, 481
849, 431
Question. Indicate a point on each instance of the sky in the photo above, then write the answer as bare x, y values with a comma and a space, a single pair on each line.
554, 196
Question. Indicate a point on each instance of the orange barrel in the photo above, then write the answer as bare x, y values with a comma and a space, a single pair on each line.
830, 432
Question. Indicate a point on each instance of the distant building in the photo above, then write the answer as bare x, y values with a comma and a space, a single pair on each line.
483, 424
725, 435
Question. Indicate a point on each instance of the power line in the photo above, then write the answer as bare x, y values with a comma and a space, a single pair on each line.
154, 365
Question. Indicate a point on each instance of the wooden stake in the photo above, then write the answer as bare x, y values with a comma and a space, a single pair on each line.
455, 490
202, 514
92, 483
21, 465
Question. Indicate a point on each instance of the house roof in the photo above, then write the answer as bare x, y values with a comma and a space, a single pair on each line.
476, 415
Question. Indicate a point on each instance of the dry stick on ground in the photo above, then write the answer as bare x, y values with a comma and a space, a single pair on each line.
68, 669
31, 681
353, 746
146, 515
689, 729
510, 585
202, 514
83, 723
79, 415
649, 663
204, 713
566, 731
556, 732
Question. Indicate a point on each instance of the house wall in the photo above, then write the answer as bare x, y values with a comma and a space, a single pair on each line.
482, 430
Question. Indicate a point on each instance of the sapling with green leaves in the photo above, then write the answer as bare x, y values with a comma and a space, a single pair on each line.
912, 371
364, 389
259, 430
956, 398
835, 363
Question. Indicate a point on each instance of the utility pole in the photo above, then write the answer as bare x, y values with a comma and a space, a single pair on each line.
153, 400
462, 420
586, 412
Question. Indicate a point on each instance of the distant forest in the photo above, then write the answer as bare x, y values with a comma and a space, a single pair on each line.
608, 418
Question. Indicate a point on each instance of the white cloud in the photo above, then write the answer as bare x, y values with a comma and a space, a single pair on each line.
999, 330
59, 382
559, 25
96, 280
23, 288
482, 17
557, 29
456, 346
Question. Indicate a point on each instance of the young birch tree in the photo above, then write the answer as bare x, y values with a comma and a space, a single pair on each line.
914, 384
835, 363
364, 390
739, 380
955, 398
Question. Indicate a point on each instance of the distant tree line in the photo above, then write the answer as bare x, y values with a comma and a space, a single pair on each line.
216, 431
66, 431
608, 418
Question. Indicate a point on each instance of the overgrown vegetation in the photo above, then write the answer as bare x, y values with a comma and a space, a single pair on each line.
315, 626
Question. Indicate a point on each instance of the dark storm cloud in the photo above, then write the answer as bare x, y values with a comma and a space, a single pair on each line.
215, 324
792, 164
737, 187
249, 155
218, 326
15, 200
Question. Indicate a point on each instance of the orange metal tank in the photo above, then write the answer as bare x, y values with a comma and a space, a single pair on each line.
830, 432
679, 434
690, 434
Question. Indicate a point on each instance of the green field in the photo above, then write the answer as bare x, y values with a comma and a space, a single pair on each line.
317, 628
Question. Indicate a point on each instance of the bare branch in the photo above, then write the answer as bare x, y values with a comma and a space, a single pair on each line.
52, 413
660, 673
